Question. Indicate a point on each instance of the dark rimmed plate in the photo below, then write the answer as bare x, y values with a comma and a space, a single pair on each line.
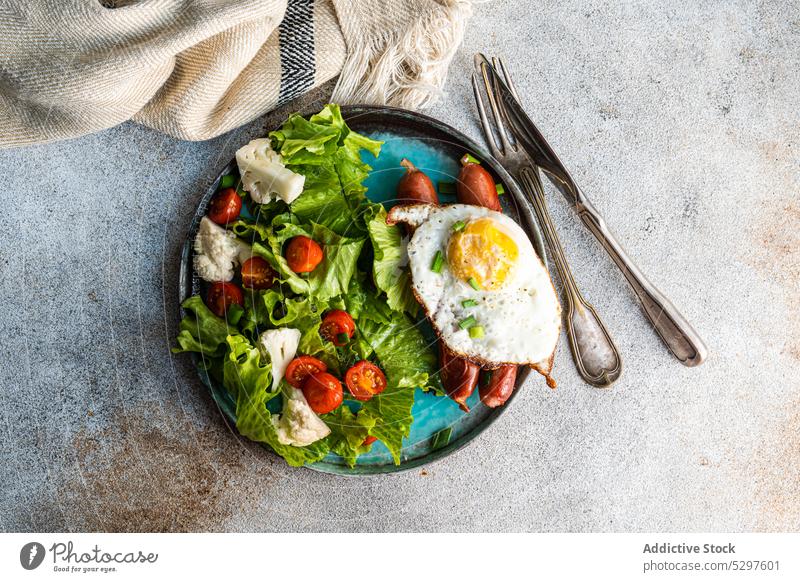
435, 148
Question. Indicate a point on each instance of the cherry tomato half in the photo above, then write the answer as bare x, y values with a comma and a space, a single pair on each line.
301, 368
221, 296
365, 380
225, 206
337, 327
323, 392
369, 440
257, 274
303, 254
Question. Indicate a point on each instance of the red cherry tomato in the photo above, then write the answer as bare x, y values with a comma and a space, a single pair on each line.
303, 254
369, 440
225, 206
257, 274
323, 392
336, 325
301, 368
365, 380
221, 296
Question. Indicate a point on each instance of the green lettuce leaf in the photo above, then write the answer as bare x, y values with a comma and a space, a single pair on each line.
302, 141
249, 380
327, 153
408, 362
200, 330
389, 267
348, 431
323, 200
270, 309
332, 276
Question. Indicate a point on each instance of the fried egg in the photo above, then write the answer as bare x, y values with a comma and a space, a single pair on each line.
479, 280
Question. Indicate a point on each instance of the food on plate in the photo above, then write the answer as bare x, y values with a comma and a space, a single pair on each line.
225, 206
459, 376
257, 274
365, 380
499, 386
305, 290
308, 311
298, 425
265, 175
301, 368
217, 252
323, 391
475, 185
221, 296
415, 185
281, 345
303, 254
481, 284
337, 327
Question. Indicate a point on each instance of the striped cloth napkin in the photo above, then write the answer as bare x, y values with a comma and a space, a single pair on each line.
197, 68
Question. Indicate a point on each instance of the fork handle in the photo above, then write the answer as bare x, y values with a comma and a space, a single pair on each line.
682, 340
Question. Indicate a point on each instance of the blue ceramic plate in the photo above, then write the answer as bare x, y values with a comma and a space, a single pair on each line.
435, 148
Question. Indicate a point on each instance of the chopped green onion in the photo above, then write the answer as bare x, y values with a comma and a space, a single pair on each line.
476, 331
234, 313
446, 188
343, 338
241, 192
474, 284
441, 438
469, 303
227, 181
468, 322
500, 189
438, 261
458, 225
469, 159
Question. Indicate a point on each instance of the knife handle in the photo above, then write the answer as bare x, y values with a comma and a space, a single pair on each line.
681, 339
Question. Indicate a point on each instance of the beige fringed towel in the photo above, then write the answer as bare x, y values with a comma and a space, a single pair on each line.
197, 68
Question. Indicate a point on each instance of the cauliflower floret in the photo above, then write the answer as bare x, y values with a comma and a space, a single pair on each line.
264, 175
281, 345
217, 252
298, 425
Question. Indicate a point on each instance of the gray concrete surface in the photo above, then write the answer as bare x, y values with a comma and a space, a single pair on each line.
680, 120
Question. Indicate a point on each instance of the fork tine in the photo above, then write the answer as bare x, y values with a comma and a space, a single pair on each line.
498, 118
500, 66
487, 127
502, 74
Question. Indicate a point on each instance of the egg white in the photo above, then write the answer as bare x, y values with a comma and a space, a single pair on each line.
521, 320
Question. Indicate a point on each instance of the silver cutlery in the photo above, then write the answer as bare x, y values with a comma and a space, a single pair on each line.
596, 356
679, 336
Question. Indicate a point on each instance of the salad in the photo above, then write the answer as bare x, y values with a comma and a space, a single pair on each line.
307, 315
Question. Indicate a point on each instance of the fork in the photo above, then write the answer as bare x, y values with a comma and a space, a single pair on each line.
596, 356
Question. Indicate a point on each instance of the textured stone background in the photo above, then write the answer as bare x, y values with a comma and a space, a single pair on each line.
679, 119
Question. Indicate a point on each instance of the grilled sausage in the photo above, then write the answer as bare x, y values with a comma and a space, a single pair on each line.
476, 186
459, 376
499, 387
415, 185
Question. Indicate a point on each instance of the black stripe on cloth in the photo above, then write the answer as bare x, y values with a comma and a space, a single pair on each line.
296, 34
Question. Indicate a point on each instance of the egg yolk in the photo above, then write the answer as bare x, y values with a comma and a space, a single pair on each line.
482, 251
